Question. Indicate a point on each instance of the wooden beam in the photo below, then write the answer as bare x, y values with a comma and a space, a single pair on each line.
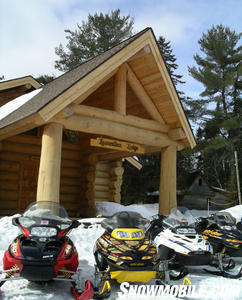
171, 90
109, 115
48, 188
21, 126
93, 79
177, 134
120, 90
167, 195
116, 130
19, 82
134, 162
146, 50
142, 95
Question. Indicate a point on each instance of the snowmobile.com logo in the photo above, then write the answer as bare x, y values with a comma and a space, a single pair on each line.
132, 291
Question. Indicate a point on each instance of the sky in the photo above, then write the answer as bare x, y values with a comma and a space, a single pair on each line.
31, 29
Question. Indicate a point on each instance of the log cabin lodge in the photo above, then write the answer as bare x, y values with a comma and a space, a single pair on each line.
66, 142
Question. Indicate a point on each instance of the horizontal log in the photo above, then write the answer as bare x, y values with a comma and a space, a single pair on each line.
1, 146
8, 195
72, 181
116, 171
72, 163
97, 194
9, 166
177, 134
69, 198
7, 204
71, 172
11, 176
104, 167
8, 212
28, 139
115, 184
74, 205
21, 148
116, 130
14, 156
97, 187
9, 185
70, 189
91, 176
109, 115
35, 150
100, 181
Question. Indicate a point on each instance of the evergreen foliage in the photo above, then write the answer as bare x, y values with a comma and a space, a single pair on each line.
219, 109
44, 79
93, 37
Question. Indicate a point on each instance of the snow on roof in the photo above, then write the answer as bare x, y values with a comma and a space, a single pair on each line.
11, 106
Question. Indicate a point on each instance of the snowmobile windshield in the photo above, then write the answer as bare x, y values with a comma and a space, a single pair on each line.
180, 217
45, 213
223, 219
125, 219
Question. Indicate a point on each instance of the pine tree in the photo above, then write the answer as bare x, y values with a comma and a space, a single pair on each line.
219, 70
170, 60
93, 37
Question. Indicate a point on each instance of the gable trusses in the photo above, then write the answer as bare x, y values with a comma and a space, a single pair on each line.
140, 66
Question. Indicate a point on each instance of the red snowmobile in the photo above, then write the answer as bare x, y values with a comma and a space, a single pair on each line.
44, 252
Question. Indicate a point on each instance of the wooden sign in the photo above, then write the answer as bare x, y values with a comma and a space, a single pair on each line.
117, 145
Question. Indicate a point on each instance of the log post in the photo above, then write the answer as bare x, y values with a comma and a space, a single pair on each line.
120, 90
50, 163
167, 196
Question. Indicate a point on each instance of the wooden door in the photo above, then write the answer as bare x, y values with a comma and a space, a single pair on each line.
28, 183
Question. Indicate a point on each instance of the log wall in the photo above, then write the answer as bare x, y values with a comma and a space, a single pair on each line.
104, 182
19, 166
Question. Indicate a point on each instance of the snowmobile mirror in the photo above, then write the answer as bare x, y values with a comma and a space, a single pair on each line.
15, 221
75, 224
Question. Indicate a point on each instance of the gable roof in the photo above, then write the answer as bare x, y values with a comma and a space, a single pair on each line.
10, 89
56, 87
65, 89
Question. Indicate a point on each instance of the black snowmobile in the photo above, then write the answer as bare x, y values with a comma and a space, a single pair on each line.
124, 253
182, 246
44, 252
223, 233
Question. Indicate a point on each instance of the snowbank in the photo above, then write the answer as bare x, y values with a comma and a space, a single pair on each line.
236, 212
84, 240
11, 106
109, 208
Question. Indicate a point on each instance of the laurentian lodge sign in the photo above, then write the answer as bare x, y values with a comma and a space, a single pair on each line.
118, 145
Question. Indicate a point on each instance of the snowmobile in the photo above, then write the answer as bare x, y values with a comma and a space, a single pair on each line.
44, 252
124, 253
182, 246
222, 232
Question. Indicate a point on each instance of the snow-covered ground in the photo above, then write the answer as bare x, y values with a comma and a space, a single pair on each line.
84, 238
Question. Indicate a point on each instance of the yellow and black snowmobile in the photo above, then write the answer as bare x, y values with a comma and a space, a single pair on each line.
124, 253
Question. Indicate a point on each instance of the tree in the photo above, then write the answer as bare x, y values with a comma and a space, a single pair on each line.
44, 79
170, 60
93, 37
219, 70
1, 77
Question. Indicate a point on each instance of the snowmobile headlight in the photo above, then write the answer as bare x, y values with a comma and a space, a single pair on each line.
137, 234
183, 230
123, 234
43, 231
226, 227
